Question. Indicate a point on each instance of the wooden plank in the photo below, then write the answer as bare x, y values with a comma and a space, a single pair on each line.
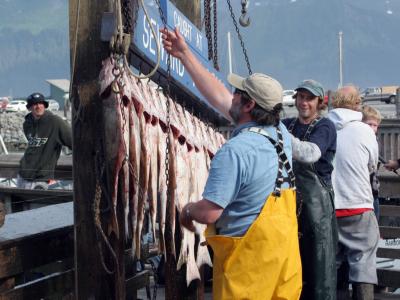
388, 277
24, 199
389, 184
35, 252
55, 286
9, 166
7, 284
389, 210
136, 282
388, 253
389, 232
35, 222
386, 296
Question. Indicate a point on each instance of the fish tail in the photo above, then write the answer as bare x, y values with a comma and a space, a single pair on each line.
113, 225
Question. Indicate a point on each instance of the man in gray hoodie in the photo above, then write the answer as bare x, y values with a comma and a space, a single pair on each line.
356, 157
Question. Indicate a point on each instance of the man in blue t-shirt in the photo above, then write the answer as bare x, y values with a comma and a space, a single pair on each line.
250, 169
317, 222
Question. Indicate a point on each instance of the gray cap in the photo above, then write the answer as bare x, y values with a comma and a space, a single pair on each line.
264, 90
314, 87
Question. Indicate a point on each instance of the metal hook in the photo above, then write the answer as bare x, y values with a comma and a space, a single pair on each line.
244, 20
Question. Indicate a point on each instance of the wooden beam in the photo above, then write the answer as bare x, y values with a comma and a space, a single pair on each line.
389, 210
388, 277
191, 9
55, 286
388, 253
87, 53
9, 166
389, 232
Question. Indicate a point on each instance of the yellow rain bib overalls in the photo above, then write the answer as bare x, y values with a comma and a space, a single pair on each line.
264, 263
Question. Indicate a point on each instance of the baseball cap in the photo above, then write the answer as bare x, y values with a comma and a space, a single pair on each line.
263, 89
36, 98
314, 87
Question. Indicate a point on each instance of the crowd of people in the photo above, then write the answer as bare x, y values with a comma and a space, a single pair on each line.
288, 203
249, 203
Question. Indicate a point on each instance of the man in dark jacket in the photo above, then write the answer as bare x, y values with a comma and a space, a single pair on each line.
46, 134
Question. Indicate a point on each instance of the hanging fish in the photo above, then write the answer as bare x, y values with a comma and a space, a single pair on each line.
116, 104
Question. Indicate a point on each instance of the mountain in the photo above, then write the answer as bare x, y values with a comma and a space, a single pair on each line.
290, 39
298, 39
34, 45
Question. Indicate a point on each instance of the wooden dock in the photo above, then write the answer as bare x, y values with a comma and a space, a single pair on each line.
9, 166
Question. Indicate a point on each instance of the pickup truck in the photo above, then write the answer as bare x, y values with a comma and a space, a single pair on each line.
385, 94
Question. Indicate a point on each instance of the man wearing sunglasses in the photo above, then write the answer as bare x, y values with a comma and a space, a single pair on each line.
249, 199
46, 134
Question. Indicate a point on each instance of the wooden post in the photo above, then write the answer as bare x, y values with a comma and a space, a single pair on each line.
191, 9
87, 53
398, 103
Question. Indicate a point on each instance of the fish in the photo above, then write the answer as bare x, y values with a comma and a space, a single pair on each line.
115, 112
145, 156
184, 193
199, 176
171, 207
153, 140
136, 113
160, 106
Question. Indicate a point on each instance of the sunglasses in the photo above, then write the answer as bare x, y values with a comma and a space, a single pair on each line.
240, 92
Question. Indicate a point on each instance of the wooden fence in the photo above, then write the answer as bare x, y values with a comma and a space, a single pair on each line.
37, 256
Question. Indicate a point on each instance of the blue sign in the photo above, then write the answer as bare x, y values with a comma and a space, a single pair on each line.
145, 42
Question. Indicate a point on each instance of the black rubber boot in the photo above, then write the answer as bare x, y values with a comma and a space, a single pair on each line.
363, 291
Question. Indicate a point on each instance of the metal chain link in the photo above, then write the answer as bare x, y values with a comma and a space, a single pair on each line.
215, 58
207, 27
127, 13
239, 36
167, 138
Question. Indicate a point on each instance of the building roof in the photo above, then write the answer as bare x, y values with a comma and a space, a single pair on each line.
62, 84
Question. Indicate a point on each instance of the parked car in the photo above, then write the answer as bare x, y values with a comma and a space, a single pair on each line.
53, 105
16, 105
288, 97
385, 94
3, 104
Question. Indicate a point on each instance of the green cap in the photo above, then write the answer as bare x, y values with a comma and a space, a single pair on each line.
314, 87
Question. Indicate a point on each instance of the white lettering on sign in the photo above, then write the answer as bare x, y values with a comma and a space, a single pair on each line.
199, 40
150, 44
184, 26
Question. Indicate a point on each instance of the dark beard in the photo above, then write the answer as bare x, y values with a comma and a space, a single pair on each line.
234, 112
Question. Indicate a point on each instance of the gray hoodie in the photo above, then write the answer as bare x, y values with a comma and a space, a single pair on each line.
356, 157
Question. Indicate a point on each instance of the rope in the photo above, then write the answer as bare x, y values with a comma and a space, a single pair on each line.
120, 39
100, 231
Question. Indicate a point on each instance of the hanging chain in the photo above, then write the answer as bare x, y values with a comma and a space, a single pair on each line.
215, 58
207, 27
239, 36
127, 13
167, 138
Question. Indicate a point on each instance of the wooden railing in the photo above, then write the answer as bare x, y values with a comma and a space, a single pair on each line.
389, 269
9, 166
37, 256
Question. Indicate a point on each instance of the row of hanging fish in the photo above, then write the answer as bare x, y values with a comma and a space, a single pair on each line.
135, 149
